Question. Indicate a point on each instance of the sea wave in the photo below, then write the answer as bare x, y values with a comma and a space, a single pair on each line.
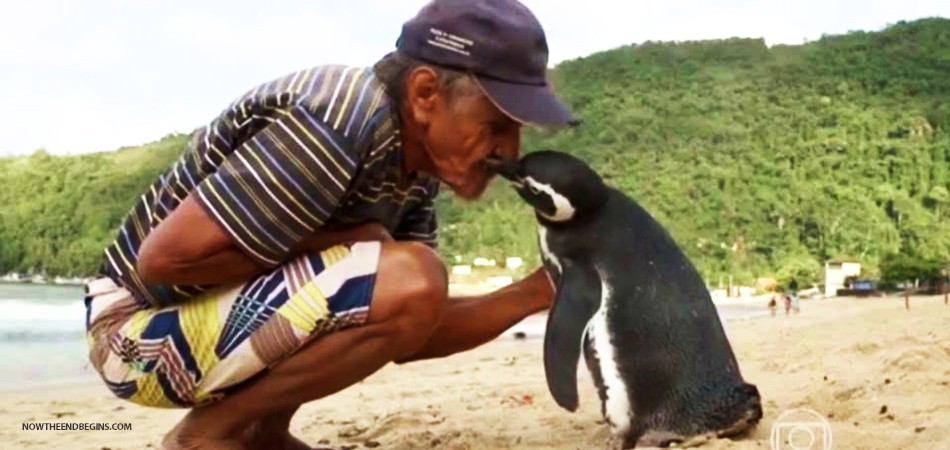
45, 310
38, 336
41, 321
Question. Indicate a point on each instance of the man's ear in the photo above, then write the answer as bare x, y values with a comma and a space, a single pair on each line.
422, 91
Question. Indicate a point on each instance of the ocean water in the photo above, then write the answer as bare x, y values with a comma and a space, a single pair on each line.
42, 334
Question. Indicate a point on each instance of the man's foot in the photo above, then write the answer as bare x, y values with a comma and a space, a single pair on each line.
286, 441
254, 438
277, 439
177, 440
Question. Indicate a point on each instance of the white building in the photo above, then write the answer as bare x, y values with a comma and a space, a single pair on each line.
836, 270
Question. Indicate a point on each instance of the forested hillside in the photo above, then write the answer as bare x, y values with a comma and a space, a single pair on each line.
760, 161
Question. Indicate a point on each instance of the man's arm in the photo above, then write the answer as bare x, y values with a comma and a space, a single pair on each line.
266, 203
189, 248
471, 321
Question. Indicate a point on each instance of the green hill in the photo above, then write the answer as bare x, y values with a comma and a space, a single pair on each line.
760, 161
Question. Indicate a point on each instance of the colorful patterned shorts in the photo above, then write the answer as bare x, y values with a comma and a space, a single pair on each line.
191, 354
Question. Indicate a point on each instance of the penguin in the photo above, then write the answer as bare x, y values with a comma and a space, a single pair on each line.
633, 304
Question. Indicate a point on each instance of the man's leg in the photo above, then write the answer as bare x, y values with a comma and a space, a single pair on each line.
408, 299
409, 320
496, 312
455, 332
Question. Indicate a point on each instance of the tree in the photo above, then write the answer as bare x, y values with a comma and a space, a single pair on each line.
760, 161
939, 197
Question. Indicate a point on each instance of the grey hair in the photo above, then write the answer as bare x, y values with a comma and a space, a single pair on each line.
393, 69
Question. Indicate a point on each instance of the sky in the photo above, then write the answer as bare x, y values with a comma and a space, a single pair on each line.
96, 75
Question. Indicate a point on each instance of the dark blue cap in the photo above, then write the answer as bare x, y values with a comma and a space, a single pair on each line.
501, 43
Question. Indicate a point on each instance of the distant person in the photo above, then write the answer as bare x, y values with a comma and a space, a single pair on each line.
288, 253
793, 297
773, 305
788, 303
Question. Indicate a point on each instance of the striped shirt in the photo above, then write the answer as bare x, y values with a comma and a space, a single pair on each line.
318, 146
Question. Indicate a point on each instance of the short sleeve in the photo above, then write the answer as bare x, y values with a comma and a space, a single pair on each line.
282, 184
420, 224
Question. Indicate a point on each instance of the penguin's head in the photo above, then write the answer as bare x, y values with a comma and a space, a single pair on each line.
559, 186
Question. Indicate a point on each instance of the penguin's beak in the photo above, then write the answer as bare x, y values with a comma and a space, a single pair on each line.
507, 168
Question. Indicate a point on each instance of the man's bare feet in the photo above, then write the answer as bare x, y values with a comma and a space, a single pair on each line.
176, 439
278, 439
253, 438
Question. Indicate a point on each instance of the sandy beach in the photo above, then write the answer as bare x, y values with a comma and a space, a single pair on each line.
878, 373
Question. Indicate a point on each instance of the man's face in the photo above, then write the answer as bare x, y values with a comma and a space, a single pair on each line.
461, 127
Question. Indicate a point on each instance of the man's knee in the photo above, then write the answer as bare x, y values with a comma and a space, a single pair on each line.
411, 291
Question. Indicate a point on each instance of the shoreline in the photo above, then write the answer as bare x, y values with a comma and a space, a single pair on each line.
74, 368
67, 362
878, 374
44, 386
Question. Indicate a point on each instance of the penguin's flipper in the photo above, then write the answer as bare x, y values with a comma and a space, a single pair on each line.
576, 300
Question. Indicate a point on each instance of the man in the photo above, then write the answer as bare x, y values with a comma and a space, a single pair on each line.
288, 253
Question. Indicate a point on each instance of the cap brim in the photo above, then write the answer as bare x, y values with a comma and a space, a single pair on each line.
528, 104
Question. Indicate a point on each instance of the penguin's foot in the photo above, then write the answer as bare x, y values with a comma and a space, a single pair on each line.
662, 439
613, 442
696, 441
669, 439
743, 425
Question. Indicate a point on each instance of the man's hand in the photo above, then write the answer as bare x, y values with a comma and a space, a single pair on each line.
541, 287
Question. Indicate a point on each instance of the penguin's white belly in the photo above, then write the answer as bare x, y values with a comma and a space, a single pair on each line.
617, 403
546, 251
